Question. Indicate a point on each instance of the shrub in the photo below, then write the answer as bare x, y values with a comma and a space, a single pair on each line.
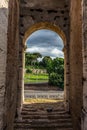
56, 80
28, 70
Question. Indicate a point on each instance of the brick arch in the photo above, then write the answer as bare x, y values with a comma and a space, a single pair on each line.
45, 25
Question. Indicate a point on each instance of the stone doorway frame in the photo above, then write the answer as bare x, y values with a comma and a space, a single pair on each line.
49, 26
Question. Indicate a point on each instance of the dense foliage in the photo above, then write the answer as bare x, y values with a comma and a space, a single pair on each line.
56, 77
54, 67
31, 58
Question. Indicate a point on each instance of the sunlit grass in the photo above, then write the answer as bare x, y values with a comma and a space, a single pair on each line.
41, 100
34, 78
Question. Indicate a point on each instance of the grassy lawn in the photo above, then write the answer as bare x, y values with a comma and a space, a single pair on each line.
34, 78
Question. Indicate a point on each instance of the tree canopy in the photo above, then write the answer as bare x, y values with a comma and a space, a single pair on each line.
31, 57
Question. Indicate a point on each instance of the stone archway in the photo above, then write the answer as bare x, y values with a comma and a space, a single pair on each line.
50, 26
54, 17
45, 25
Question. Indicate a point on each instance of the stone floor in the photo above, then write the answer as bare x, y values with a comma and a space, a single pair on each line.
43, 90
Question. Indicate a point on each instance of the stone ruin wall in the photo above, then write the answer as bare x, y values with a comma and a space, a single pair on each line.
12, 75
12, 66
76, 90
84, 50
3, 53
33, 12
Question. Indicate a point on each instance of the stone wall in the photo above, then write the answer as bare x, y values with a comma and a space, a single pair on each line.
56, 12
76, 63
56, 15
3, 52
84, 50
12, 65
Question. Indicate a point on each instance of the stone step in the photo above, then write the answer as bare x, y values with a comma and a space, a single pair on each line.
35, 110
46, 117
51, 105
41, 105
37, 121
43, 113
43, 129
43, 125
42, 117
42, 109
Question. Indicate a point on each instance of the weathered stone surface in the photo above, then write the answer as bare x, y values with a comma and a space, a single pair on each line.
50, 116
76, 66
3, 53
4, 3
44, 4
50, 16
58, 16
84, 50
58, 13
12, 65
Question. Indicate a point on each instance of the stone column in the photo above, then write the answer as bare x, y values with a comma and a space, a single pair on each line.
84, 110
21, 79
3, 56
84, 50
10, 101
66, 76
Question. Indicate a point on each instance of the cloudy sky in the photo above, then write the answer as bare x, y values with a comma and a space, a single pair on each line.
46, 42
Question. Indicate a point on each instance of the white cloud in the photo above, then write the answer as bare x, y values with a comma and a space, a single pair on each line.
57, 53
35, 49
53, 52
46, 42
45, 38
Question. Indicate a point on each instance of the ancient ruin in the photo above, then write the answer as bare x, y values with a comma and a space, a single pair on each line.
20, 18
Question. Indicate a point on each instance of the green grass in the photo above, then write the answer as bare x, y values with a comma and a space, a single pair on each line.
34, 78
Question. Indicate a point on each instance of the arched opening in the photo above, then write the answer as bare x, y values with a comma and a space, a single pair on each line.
44, 25
49, 26
44, 66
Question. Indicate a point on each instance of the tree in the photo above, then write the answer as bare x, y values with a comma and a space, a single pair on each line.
47, 63
56, 80
37, 55
28, 59
58, 65
46, 60
31, 58
56, 76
